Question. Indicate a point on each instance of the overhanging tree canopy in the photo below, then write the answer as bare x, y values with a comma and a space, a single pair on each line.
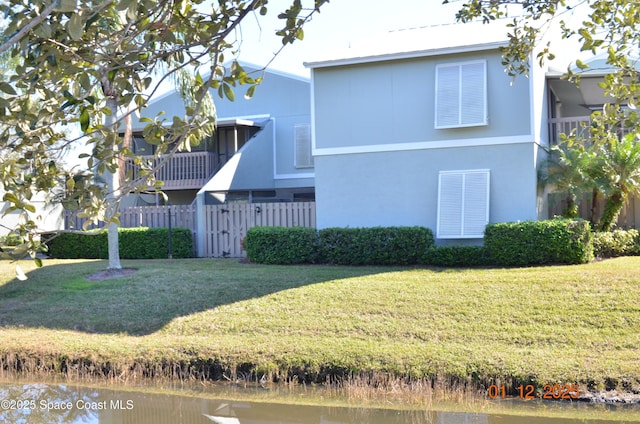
90, 64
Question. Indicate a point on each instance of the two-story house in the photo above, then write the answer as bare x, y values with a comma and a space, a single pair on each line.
427, 129
260, 151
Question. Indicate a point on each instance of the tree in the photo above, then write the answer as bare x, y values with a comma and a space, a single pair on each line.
92, 64
611, 27
618, 166
567, 169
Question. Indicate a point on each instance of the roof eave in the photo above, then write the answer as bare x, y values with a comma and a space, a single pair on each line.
405, 55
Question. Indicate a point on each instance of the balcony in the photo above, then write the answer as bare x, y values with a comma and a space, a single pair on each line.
183, 171
578, 125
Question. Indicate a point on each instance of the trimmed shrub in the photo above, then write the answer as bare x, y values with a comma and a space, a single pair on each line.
92, 245
552, 241
281, 245
609, 244
456, 256
374, 246
134, 243
153, 243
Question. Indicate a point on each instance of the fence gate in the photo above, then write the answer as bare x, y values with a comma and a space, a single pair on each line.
225, 226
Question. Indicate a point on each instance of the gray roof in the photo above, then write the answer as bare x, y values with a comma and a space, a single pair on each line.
417, 42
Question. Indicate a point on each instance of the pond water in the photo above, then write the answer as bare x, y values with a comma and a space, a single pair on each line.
36, 403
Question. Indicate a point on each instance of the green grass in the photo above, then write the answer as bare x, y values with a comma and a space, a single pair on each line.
562, 324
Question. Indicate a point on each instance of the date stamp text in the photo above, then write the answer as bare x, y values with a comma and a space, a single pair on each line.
549, 391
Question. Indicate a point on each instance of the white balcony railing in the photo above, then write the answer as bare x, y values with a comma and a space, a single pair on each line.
183, 170
576, 125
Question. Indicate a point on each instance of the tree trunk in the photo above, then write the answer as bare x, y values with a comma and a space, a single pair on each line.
594, 209
612, 209
571, 211
112, 196
114, 250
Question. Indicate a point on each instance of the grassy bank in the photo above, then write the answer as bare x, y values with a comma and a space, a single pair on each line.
224, 319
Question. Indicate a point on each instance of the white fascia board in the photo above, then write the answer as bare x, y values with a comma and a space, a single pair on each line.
312, 110
257, 68
248, 121
245, 121
300, 176
424, 145
405, 55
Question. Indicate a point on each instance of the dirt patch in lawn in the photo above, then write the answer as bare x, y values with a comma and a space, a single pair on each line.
110, 273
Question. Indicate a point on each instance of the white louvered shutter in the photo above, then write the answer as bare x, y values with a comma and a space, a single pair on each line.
473, 83
450, 194
476, 203
303, 157
461, 95
463, 204
447, 96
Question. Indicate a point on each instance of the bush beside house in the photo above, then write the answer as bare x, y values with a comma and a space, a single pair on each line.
374, 246
134, 243
456, 256
339, 246
609, 244
282, 245
506, 244
554, 241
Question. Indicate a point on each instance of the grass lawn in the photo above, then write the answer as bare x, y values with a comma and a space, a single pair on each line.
562, 324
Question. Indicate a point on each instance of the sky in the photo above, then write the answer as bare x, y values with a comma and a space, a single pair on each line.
339, 23
342, 23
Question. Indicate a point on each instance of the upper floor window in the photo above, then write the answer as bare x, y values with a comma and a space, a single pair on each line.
303, 155
461, 94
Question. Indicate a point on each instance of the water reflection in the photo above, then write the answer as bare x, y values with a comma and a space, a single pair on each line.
50, 403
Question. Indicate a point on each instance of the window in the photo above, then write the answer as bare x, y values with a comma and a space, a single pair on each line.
303, 157
461, 95
463, 203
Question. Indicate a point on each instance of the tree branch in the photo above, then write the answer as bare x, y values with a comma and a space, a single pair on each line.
25, 30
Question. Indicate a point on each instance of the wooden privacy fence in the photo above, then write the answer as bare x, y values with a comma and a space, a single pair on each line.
144, 216
629, 216
223, 227
183, 216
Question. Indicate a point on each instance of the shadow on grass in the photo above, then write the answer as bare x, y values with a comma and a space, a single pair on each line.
59, 296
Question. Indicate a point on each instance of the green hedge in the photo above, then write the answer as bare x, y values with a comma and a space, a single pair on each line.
281, 245
134, 243
539, 242
610, 244
341, 246
374, 246
456, 256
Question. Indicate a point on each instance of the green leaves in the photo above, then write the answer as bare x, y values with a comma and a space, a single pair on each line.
294, 22
250, 92
85, 120
580, 64
75, 27
7, 88
228, 92
67, 6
